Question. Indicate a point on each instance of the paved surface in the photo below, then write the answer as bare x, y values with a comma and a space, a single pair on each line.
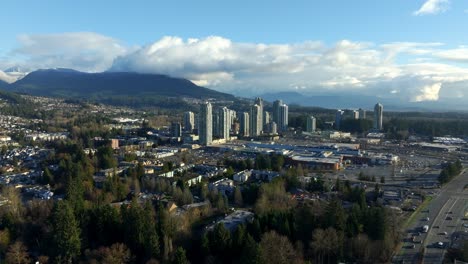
450, 202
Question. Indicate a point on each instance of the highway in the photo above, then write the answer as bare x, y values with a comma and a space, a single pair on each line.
445, 213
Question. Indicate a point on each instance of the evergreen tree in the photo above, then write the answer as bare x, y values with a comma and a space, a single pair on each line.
65, 233
238, 200
180, 257
249, 253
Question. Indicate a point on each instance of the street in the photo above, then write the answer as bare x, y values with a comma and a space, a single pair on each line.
444, 216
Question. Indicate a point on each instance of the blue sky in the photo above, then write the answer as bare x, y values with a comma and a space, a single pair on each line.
141, 22
416, 50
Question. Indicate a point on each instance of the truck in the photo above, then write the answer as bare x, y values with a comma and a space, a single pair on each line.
425, 228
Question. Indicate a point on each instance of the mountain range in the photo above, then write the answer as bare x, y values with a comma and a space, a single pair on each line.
110, 87
355, 101
138, 89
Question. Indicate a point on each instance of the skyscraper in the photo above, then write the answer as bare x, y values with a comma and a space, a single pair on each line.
355, 114
205, 128
224, 122
378, 116
189, 121
338, 117
255, 120
259, 102
272, 128
362, 113
176, 129
216, 124
244, 124
311, 124
283, 117
266, 118
276, 113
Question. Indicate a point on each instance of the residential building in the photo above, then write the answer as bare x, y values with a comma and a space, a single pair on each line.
216, 124
189, 121
176, 129
276, 113
311, 124
205, 128
244, 124
255, 120
266, 118
338, 117
272, 128
378, 116
362, 113
224, 123
283, 117
259, 102
355, 114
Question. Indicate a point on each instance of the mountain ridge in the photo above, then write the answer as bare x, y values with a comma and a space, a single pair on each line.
111, 86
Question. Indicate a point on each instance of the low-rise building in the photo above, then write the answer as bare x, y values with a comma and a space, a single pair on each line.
242, 176
224, 185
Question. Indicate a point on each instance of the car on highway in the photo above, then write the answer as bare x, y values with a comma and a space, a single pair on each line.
448, 218
465, 225
443, 233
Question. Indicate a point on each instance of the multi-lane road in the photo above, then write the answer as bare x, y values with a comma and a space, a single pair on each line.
444, 216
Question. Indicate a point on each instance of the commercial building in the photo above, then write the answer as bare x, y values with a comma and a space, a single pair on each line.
205, 128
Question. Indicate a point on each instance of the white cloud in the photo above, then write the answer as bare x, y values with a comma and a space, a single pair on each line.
428, 93
432, 7
310, 67
6, 77
459, 54
85, 51
406, 71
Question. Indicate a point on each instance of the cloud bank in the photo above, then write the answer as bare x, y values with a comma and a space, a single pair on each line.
406, 71
86, 51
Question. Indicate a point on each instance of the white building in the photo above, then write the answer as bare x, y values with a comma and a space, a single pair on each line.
224, 123
189, 121
255, 120
242, 176
205, 129
244, 124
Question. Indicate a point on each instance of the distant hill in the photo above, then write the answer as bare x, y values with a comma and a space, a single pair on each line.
355, 101
325, 101
125, 88
3, 84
